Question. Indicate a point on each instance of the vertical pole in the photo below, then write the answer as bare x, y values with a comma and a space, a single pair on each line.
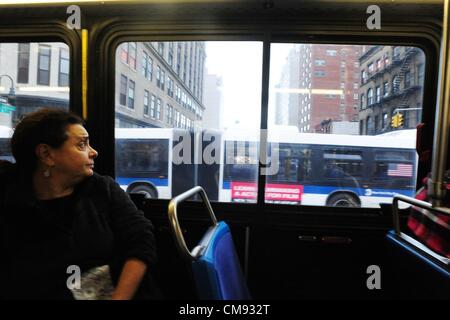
436, 187
84, 72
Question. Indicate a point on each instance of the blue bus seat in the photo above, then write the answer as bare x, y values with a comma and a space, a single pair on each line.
217, 271
215, 265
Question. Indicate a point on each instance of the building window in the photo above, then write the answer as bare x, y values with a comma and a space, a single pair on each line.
169, 116
363, 76
158, 76
123, 90
161, 48
131, 87
319, 63
179, 58
369, 97
43, 76
370, 67
370, 127
177, 94
378, 64
331, 53
163, 76
152, 106
146, 95
158, 109
362, 101
377, 94
385, 120
385, 89
23, 64
128, 54
170, 57
177, 119
147, 66
170, 87
132, 55
63, 79
319, 73
124, 52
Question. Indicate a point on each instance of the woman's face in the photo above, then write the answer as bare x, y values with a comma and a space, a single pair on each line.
75, 158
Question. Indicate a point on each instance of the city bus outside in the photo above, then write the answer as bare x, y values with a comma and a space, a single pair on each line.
321, 169
144, 161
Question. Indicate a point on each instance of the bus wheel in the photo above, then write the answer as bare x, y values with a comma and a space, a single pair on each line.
148, 191
343, 200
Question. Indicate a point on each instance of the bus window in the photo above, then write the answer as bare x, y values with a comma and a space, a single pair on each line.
390, 165
356, 109
32, 76
175, 103
341, 164
5, 148
295, 162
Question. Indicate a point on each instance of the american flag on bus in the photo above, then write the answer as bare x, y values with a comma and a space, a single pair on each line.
400, 170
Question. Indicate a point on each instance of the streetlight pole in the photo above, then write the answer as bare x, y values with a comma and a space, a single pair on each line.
12, 90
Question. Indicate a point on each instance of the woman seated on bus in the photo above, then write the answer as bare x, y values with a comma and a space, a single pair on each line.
60, 221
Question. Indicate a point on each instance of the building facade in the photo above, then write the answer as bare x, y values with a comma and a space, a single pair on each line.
334, 83
33, 75
323, 83
160, 84
391, 81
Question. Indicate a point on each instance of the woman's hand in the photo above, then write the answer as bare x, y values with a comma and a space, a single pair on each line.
132, 273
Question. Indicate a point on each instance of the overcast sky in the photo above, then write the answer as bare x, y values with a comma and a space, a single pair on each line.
240, 66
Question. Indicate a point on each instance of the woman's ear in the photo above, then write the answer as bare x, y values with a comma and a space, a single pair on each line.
45, 154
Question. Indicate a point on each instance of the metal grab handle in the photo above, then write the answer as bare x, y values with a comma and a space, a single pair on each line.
423, 205
173, 218
415, 202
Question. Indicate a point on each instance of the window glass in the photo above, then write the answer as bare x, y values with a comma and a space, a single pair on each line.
30, 80
212, 102
63, 67
353, 156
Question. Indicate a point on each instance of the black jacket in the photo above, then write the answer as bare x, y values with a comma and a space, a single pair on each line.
100, 225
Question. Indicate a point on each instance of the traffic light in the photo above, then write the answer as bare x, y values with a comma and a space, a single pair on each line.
399, 120
394, 121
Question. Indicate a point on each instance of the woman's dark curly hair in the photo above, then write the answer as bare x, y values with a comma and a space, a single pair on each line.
47, 126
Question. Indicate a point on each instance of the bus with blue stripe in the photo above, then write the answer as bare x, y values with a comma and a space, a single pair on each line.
143, 161
145, 164
321, 169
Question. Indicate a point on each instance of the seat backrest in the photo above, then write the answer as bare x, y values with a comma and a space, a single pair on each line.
215, 265
217, 272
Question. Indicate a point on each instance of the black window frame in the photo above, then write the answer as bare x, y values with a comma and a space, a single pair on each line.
42, 73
